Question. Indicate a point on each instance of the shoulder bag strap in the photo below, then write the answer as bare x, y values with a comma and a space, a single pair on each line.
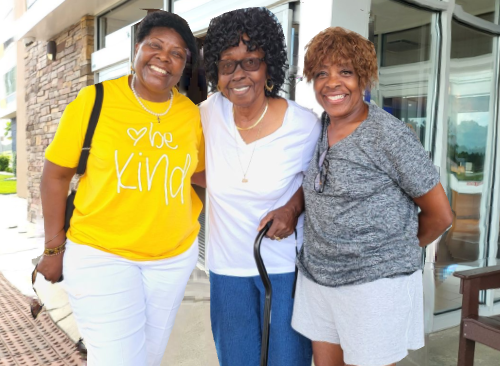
94, 118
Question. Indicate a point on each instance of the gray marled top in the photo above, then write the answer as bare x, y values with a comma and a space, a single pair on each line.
364, 225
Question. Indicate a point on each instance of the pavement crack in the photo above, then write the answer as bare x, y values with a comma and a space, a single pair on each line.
64, 317
60, 307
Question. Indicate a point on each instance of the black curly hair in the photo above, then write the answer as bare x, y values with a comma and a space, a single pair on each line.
166, 19
264, 32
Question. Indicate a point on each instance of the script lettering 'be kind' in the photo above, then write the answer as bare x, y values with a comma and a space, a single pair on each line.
159, 141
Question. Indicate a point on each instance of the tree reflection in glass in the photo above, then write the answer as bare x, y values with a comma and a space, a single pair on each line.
469, 152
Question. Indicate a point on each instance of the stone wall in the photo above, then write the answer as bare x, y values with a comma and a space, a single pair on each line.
50, 86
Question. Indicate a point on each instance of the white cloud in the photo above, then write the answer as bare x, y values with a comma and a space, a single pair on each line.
481, 118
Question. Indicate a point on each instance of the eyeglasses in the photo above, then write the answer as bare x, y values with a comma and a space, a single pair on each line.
323, 165
36, 306
227, 67
82, 349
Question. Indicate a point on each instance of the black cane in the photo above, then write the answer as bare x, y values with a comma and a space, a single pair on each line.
269, 293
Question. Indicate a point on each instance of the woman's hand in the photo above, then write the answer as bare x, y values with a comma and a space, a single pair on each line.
284, 223
54, 192
200, 179
284, 218
50, 267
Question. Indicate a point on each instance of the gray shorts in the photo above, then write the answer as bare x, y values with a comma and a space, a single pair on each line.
375, 323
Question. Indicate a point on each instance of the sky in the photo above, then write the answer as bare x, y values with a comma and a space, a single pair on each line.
481, 118
472, 131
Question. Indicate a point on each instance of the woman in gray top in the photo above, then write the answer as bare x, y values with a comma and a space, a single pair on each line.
359, 291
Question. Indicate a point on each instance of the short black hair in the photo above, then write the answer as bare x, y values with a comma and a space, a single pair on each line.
264, 32
166, 19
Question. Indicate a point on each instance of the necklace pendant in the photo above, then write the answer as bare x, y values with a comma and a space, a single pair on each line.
244, 180
158, 118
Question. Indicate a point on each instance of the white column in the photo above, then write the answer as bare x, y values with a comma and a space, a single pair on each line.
353, 15
315, 16
318, 15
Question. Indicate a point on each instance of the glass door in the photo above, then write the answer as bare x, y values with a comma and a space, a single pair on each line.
405, 39
469, 154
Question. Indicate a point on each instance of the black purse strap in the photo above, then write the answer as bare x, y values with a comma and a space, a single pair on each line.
94, 118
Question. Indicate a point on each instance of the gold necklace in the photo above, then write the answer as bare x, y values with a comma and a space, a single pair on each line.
245, 180
256, 123
158, 115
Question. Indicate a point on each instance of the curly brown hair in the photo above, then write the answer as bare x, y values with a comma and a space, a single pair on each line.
338, 45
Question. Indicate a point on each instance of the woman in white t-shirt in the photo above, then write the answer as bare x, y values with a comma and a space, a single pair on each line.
258, 146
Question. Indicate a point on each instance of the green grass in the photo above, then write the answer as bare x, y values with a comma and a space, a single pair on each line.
9, 186
471, 177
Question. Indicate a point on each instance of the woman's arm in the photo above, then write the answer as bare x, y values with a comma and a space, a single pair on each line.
200, 179
435, 215
284, 218
54, 189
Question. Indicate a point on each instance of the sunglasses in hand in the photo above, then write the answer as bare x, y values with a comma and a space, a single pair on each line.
320, 180
36, 305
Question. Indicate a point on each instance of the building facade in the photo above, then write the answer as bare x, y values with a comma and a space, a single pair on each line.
438, 70
7, 77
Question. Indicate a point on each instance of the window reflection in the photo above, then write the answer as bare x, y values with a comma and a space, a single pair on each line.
406, 42
469, 123
407, 46
412, 110
480, 8
403, 40
10, 81
114, 26
484, 9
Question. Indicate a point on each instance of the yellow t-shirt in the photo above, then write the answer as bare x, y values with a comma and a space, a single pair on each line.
135, 199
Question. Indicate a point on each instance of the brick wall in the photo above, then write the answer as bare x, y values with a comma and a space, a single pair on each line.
50, 86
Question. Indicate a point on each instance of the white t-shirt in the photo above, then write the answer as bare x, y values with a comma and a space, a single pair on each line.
275, 172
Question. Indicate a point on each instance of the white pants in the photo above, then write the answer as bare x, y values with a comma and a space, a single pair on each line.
125, 310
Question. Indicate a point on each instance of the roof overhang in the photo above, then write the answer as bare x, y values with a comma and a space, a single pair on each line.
199, 16
47, 18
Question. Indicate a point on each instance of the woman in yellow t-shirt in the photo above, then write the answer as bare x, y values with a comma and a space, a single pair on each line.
132, 243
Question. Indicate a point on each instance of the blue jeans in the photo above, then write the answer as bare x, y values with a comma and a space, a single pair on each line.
237, 308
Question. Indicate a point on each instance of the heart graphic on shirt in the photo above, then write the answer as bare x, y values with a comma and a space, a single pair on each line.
138, 134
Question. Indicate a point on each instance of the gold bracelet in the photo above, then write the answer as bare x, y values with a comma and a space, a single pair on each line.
54, 236
55, 251
53, 255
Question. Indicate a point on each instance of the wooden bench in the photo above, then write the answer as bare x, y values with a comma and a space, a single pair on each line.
475, 328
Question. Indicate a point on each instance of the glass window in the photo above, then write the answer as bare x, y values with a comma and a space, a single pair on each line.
294, 61
470, 120
7, 43
463, 48
114, 71
10, 82
114, 25
406, 46
403, 39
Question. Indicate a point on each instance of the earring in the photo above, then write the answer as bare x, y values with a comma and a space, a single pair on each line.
132, 70
269, 88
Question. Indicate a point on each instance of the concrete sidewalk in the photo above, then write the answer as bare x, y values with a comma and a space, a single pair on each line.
20, 244
191, 342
